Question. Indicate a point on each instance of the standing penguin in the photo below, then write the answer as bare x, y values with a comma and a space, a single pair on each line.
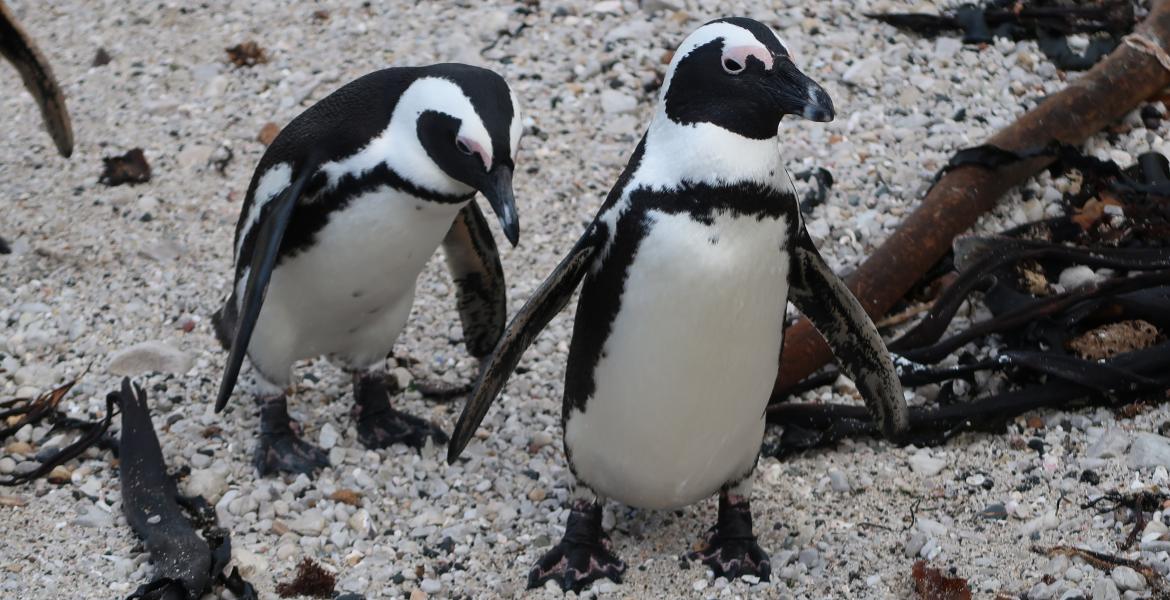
344, 210
687, 271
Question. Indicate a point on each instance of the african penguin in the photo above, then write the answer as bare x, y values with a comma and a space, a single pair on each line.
343, 212
687, 270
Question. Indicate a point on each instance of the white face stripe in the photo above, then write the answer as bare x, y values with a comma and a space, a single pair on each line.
732, 35
271, 183
517, 128
399, 147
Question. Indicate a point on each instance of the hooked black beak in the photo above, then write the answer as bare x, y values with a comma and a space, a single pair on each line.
498, 190
798, 95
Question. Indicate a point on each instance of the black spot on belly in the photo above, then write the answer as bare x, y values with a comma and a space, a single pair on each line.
354, 330
714, 240
358, 294
374, 311
418, 207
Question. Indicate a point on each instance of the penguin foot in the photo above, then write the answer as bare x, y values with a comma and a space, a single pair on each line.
388, 427
287, 453
730, 549
379, 425
582, 556
279, 448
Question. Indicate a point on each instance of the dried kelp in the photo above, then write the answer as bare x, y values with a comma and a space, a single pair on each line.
44, 409
1048, 23
931, 584
186, 565
311, 580
1041, 329
130, 167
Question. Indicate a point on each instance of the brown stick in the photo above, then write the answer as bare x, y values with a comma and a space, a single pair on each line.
1115, 86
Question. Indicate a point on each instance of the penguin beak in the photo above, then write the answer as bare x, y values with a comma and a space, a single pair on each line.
498, 190
796, 94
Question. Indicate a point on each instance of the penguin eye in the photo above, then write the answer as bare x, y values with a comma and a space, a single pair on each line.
464, 148
732, 66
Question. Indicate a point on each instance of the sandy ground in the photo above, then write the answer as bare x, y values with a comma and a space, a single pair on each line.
97, 269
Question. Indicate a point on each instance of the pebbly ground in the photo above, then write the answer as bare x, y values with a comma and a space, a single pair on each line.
98, 269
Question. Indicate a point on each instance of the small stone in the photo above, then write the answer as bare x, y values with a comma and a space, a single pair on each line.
95, 518
1128, 579
328, 436
1077, 277
268, 133
614, 102
194, 157
926, 465
1110, 444
286, 551
1104, 589
7, 465
13, 501
430, 586
311, 522
610, 7
1149, 450
537, 494
59, 475
838, 481
809, 557
863, 69
38, 376
346, 496
20, 448
417, 594
150, 357
249, 562
996, 511
915, 543
946, 47
209, 483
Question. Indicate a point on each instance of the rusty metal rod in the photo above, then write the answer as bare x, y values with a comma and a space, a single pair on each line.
1113, 87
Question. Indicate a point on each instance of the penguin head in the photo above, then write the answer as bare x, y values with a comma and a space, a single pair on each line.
469, 127
736, 74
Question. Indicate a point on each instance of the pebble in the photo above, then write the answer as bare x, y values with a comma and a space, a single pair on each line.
924, 464
94, 518
615, 103
328, 436
150, 357
1149, 450
1111, 443
863, 69
209, 483
1078, 277
1127, 579
1104, 589
838, 481
311, 522
7, 465
430, 586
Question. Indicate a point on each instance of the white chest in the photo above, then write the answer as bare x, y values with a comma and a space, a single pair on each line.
686, 373
359, 274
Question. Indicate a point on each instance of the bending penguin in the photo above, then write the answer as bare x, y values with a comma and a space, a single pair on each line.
687, 269
343, 212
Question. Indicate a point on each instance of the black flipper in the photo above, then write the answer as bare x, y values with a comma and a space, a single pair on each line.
479, 280
19, 49
546, 302
267, 244
837, 314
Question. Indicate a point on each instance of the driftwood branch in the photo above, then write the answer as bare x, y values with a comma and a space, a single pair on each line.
1115, 86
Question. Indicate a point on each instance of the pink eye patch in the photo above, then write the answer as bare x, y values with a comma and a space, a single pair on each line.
738, 55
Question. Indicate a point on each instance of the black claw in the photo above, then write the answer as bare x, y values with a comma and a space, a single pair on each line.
279, 449
582, 556
380, 426
730, 549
